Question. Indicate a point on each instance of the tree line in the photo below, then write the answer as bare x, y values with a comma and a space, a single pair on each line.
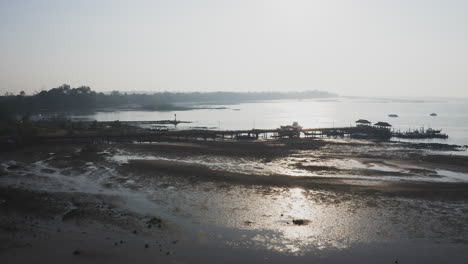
66, 98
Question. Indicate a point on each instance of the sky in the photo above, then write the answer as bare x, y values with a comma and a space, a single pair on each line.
352, 48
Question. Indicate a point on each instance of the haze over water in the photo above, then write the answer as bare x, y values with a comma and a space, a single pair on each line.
452, 115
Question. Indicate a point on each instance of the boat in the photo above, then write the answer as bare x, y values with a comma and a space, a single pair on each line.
433, 114
420, 134
293, 130
435, 131
392, 115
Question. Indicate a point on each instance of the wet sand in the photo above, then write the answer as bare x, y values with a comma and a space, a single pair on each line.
298, 201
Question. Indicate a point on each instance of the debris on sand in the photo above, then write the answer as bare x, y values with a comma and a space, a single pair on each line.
248, 222
300, 221
154, 221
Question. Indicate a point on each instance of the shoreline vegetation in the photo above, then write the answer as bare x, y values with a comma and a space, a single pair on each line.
16, 111
67, 99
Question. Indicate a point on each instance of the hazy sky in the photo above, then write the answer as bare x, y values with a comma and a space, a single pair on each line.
358, 47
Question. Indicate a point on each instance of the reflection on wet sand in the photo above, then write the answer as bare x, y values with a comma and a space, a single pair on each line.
309, 204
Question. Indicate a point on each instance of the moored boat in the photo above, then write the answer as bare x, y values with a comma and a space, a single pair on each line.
420, 134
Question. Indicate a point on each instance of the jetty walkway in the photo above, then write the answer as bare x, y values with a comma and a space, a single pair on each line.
123, 135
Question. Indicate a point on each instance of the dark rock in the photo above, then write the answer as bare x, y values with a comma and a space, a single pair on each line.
146, 246
13, 167
76, 252
134, 232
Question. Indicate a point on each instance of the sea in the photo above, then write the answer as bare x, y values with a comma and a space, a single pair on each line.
413, 113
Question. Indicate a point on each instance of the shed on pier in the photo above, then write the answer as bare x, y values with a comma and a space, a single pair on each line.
382, 125
363, 122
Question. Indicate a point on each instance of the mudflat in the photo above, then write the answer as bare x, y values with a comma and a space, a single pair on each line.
299, 200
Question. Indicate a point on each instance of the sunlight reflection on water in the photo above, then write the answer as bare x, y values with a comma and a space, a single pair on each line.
314, 113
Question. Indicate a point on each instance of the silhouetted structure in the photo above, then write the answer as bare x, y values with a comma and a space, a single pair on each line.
382, 125
363, 122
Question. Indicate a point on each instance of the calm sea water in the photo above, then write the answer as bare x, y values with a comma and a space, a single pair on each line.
413, 114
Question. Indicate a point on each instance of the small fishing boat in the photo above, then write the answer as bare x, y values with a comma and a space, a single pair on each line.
433, 114
392, 115
433, 131
293, 130
420, 134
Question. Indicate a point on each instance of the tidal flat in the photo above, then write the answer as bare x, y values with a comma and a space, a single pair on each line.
295, 200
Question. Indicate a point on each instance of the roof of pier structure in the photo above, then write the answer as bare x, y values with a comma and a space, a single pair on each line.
382, 124
363, 121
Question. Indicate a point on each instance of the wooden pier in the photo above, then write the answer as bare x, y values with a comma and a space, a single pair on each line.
202, 134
